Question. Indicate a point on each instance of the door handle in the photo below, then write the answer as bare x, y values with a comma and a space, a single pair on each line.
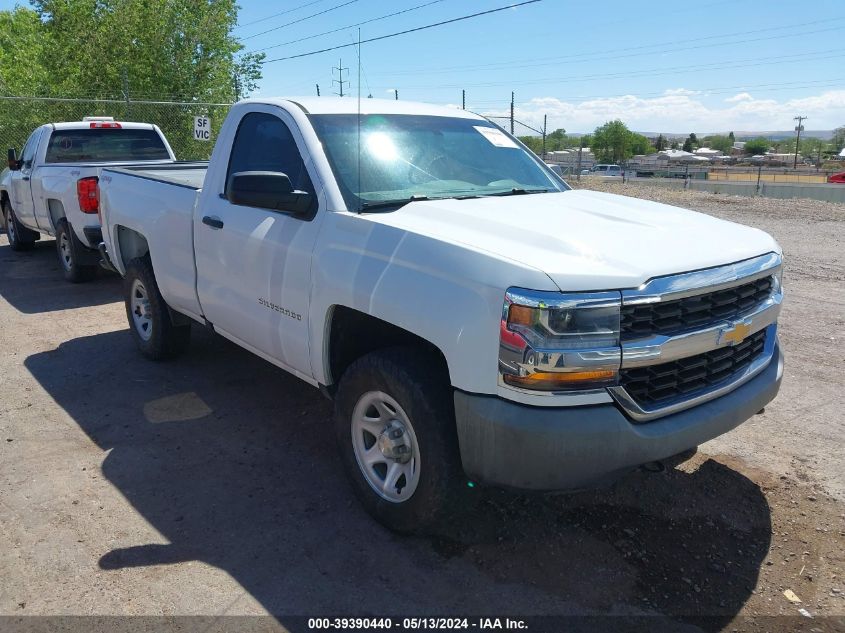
215, 223
25, 178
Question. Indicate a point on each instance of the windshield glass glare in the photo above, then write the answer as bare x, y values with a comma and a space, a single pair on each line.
404, 156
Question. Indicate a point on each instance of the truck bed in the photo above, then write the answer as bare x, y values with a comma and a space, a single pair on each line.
189, 174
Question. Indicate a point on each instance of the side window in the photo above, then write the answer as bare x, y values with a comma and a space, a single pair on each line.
28, 152
264, 143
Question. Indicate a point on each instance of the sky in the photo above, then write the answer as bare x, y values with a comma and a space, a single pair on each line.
676, 67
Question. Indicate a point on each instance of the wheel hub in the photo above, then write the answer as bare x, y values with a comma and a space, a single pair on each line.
395, 443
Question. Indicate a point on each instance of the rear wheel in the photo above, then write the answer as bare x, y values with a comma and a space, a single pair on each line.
20, 238
149, 318
67, 248
395, 427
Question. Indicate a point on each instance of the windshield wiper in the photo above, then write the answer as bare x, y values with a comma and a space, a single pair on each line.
384, 204
518, 192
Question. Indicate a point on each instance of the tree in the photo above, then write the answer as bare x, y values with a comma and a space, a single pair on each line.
660, 143
174, 49
839, 139
639, 144
691, 144
758, 145
614, 142
722, 143
732, 137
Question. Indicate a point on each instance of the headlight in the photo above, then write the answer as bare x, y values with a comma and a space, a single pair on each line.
551, 341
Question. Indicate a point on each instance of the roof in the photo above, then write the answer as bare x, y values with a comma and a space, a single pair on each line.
842, 153
349, 105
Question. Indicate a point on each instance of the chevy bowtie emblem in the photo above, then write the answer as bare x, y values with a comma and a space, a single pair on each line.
736, 333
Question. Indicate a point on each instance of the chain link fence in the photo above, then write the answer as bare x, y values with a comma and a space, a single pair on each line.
20, 115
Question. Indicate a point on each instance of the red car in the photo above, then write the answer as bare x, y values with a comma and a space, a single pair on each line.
837, 178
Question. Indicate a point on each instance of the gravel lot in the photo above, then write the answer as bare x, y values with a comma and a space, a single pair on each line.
209, 485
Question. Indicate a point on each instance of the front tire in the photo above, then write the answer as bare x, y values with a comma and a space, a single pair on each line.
20, 238
149, 318
395, 428
67, 248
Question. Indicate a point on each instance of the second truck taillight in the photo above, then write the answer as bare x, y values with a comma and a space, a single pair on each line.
89, 194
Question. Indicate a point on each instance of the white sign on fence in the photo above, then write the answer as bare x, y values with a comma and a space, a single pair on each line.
202, 128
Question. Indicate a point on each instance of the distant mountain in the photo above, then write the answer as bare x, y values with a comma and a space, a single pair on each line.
742, 135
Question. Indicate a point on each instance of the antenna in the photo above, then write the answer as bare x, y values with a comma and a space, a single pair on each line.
360, 201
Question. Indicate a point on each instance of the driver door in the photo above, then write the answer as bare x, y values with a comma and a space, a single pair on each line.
254, 265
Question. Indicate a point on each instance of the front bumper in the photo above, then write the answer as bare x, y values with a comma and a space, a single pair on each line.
507, 444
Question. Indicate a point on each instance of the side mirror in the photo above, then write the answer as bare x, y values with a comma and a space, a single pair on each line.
13, 163
267, 190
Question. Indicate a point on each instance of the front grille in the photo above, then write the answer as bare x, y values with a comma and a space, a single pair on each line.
691, 313
655, 385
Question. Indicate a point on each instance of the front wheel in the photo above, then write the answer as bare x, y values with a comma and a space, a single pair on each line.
149, 318
395, 427
67, 248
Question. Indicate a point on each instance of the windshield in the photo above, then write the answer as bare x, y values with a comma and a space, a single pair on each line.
105, 145
410, 156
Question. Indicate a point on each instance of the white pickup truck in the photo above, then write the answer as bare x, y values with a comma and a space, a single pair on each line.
52, 187
470, 315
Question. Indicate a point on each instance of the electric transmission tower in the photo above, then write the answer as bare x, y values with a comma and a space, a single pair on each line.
340, 80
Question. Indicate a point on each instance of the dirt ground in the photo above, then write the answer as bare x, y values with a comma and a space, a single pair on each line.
210, 486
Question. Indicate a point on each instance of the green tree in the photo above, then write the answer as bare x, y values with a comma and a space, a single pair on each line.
838, 139
171, 49
639, 144
688, 145
722, 143
732, 137
758, 145
660, 143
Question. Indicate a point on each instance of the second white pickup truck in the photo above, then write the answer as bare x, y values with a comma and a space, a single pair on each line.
52, 188
469, 314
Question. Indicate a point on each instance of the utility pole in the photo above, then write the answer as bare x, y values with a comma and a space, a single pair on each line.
463, 99
340, 81
396, 94
798, 128
545, 121
318, 89
511, 113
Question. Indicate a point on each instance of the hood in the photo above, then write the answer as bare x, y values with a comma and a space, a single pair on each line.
585, 240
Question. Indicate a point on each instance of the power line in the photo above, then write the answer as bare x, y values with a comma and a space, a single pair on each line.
343, 28
275, 15
590, 56
307, 17
405, 32
797, 57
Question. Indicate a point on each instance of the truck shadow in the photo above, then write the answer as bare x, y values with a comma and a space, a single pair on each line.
32, 282
233, 462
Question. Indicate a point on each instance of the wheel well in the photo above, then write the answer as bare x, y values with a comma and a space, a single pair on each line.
56, 210
352, 334
131, 244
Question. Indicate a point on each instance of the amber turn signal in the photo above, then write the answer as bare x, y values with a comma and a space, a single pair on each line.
520, 315
553, 381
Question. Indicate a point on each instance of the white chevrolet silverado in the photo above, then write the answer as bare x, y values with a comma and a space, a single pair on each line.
470, 315
52, 187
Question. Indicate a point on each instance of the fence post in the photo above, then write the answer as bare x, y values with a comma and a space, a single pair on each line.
759, 174
686, 177
125, 76
580, 147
